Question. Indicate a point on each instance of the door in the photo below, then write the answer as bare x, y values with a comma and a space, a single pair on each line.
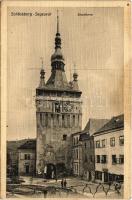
89, 176
105, 177
27, 169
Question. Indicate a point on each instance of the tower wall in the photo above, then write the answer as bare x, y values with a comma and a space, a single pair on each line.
57, 119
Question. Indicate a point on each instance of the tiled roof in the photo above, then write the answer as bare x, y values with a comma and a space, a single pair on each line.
91, 127
30, 144
94, 125
115, 123
14, 145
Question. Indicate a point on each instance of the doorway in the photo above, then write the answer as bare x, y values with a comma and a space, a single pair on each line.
106, 177
27, 169
51, 171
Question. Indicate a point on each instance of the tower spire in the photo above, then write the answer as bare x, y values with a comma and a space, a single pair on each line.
75, 75
57, 59
57, 21
42, 63
42, 74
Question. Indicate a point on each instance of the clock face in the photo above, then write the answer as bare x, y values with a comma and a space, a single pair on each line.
67, 107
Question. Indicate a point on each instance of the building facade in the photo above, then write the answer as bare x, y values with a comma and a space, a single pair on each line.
13, 156
109, 151
76, 154
58, 113
88, 157
27, 158
83, 152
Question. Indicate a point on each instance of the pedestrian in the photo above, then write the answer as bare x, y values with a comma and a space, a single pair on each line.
52, 174
62, 183
65, 183
45, 193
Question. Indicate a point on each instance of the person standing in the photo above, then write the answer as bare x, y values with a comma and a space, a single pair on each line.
65, 183
62, 183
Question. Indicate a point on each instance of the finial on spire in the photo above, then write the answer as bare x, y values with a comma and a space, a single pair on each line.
75, 75
42, 73
57, 21
42, 62
74, 67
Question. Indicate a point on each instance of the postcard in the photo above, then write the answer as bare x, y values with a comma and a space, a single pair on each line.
65, 99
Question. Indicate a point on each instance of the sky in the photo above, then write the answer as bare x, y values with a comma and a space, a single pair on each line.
93, 42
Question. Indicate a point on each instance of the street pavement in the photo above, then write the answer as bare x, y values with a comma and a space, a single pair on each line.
78, 186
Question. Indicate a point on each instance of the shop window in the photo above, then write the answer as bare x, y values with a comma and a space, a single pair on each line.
112, 141
121, 140
98, 175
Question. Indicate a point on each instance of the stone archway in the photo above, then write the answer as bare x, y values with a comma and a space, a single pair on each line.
51, 171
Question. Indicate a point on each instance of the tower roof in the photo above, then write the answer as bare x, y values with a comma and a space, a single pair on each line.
57, 80
57, 59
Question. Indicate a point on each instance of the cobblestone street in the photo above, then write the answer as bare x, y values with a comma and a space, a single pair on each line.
75, 188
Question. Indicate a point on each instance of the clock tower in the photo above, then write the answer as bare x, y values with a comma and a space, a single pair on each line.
58, 114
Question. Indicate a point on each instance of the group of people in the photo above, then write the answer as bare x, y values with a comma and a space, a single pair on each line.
63, 183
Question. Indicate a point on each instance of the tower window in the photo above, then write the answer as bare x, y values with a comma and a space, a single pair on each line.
46, 119
57, 107
27, 156
73, 120
63, 121
78, 120
41, 118
64, 137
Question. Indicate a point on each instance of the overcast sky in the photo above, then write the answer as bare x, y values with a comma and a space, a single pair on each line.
94, 42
